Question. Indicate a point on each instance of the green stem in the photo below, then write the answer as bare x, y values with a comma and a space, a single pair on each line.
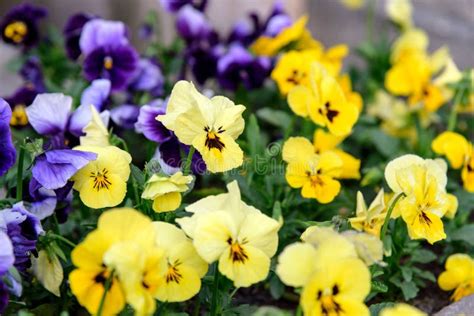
161, 309
453, 116
19, 175
63, 239
134, 182
389, 214
215, 291
299, 311
187, 164
197, 306
107, 285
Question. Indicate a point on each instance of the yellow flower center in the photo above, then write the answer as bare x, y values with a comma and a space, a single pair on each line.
328, 305
16, 31
212, 139
327, 112
108, 63
173, 274
237, 253
314, 177
101, 180
19, 117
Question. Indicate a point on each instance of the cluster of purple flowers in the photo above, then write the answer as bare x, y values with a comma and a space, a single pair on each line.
210, 55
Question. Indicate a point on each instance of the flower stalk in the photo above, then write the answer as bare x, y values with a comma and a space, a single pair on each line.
107, 285
389, 214
189, 159
19, 175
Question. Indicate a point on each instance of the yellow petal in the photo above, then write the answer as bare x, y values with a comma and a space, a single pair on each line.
324, 141
300, 100
96, 132
453, 206
400, 11
228, 116
167, 202
111, 196
350, 165
394, 166
369, 247
244, 273
453, 145
189, 285
467, 173
296, 264
402, 309
260, 231
89, 253
459, 268
297, 149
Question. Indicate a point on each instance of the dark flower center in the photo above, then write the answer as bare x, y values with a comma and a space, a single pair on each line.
328, 305
213, 140
173, 274
101, 180
237, 253
16, 31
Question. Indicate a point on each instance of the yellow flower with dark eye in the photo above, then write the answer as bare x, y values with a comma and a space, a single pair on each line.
238, 236
270, 46
166, 191
209, 125
325, 265
425, 201
401, 309
324, 102
88, 280
292, 69
460, 154
459, 276
103, 182
314, 173
369, 219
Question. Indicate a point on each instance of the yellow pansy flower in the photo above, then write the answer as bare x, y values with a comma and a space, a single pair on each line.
324, 102
351, 96
453, 206
166, 191
459, 276
209, 125
369, 219
400, 12
353, 4
333, 57
460, 154
238, 236
321, 266
423, 183
87, 281
369, 247
413, 40
184, 267
270, 46
314, 174
401, 309
292, 69
103, 182
96, 133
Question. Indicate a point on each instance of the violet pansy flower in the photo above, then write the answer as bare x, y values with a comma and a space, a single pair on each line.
175, 5
6, 261
19, 26
53, 168
148, 77
125, 115
238, 66
23, 228
149, 126
72, 33
108, 53
49, 113
7, 150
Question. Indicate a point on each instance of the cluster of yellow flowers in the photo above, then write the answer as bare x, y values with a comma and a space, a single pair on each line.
136, 261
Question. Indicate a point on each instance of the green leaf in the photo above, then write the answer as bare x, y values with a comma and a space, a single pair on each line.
275, 117
49, 271
423, 256
379, 287
465, 233
277, 288
252, 131
277, 213
387, 145
138, 175
271, 311
407, 273
427, 275
409, 290
376, 308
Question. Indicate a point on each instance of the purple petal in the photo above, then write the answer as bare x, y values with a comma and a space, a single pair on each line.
96, 94
44, 200
54, 168
149, 126
97, 33
6, 253
125, 115
49, 113
7, 150
148, 76
3, 297
192, 24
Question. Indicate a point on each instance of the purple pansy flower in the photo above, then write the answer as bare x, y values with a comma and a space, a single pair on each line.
108, 52
202, 59
53, 168
20, 99
125, 115
32, 74
169, 155
20, 25
43, 201
276, 24
192, 24
3, 297
49, 113
245, 31
238, 66
148, 77
175, 5
6, 253
7, 150
149, 126
23, 228
72, 33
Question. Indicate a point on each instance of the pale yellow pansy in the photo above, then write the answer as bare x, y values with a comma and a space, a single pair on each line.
369, 219
96, 133
401, 309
